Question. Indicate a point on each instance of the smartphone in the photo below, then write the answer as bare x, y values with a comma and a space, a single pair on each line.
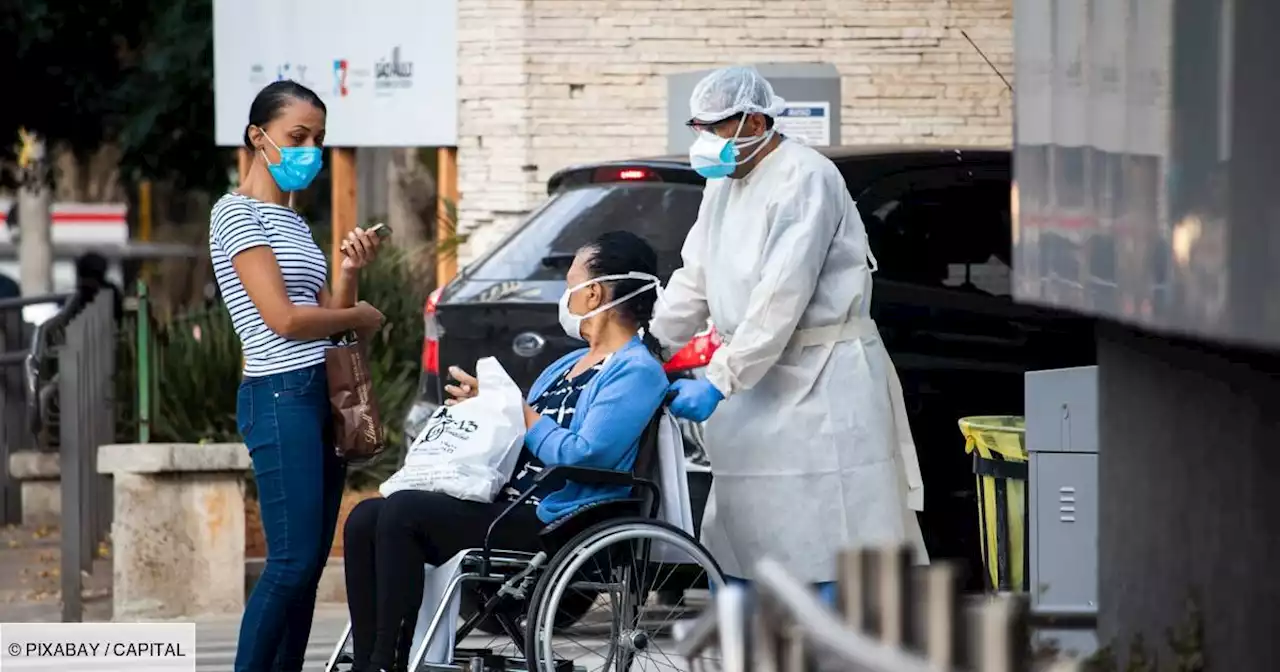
381, 229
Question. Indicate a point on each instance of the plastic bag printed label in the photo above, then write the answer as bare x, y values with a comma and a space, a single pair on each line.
468, 450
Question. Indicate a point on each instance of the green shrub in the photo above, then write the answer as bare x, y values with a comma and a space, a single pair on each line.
197, 369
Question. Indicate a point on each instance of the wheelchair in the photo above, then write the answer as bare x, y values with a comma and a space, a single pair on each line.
598, 595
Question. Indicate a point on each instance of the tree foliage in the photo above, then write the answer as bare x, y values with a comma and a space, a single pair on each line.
134, 73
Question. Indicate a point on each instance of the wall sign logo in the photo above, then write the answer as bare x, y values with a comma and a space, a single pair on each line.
284, 71
340, 78
257, 74
393, 73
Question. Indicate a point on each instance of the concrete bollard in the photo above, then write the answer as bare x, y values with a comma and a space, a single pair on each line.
178, 531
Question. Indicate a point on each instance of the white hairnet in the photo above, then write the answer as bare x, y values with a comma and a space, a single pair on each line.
734, 90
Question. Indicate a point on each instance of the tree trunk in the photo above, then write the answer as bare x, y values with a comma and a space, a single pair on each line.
411, 199
35, 217
93, 178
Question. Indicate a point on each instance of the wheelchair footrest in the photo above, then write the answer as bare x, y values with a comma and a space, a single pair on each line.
484, 660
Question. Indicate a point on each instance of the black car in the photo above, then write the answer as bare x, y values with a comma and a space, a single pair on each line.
939, 224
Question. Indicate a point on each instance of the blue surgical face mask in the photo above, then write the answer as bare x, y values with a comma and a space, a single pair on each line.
712, 156
297, 168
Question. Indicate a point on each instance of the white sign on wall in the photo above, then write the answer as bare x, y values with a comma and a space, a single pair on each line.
387, 70
808, 122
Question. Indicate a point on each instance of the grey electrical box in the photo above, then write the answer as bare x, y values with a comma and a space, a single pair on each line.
812, 92
1062, 447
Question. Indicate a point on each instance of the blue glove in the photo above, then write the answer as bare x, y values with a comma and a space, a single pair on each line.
694, 399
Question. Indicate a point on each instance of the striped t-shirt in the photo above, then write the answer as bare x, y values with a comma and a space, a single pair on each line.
239, 223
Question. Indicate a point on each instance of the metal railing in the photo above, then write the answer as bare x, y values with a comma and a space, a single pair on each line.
892, 618
16, 339
42, 366
85, 420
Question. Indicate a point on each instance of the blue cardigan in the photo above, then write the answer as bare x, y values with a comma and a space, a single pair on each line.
612, 412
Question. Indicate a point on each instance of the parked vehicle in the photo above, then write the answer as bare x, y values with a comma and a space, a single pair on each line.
939, 224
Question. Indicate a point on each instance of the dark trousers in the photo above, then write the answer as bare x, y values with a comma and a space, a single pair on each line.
284, 419
387, 542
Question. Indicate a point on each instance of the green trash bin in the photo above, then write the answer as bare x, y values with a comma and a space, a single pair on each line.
999, 449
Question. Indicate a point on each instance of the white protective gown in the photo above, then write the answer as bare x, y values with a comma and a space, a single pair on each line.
810, 451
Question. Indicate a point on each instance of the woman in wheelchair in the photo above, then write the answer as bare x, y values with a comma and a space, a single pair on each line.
588, 409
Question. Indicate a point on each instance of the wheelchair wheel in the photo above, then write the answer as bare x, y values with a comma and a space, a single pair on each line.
627, 564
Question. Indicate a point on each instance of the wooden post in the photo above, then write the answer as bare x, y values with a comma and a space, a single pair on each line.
342, 175
850, 579
938, 621
144, 221
446, 209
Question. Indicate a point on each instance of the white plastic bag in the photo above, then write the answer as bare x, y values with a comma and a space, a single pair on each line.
468, 450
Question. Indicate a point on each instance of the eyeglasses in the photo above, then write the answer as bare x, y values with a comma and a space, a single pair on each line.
710, 127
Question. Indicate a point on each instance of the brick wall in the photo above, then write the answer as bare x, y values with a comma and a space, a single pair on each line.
549, 83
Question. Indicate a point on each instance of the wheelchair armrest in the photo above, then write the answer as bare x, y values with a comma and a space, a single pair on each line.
554, 478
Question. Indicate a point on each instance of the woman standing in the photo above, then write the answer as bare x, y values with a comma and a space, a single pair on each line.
272, 277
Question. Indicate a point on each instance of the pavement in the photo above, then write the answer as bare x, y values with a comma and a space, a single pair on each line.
216, 639
30, 578
30, 586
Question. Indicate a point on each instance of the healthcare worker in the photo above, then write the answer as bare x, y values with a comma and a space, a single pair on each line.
806, 429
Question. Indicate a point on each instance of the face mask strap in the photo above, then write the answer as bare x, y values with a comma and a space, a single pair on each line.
758, 146
653, 283
739, 144
273, 144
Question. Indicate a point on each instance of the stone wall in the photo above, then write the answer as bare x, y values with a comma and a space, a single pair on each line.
548, 83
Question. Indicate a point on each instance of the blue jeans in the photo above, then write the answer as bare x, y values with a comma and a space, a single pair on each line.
285, 421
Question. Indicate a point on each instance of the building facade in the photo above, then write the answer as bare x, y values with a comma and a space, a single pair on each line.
544, 84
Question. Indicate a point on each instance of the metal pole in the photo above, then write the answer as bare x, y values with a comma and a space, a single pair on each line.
84, 433
144, 363
109, 385
12, 409
72, 521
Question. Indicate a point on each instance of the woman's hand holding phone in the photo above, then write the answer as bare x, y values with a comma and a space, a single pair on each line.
361, 246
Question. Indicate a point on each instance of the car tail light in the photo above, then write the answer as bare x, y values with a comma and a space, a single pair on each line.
431, 334
696, 354
628, 174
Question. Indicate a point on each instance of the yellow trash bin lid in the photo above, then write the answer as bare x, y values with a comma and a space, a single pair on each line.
990, 435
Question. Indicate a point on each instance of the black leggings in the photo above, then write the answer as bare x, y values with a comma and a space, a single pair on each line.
385, 544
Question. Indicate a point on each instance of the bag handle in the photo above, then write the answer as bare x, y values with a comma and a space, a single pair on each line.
341, 338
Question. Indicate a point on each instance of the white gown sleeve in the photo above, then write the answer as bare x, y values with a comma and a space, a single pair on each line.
683, 312
803, 214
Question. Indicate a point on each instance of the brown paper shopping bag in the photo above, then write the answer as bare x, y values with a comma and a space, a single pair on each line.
358, 434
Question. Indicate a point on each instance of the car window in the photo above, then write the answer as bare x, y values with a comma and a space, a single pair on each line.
660, 213
942, 227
